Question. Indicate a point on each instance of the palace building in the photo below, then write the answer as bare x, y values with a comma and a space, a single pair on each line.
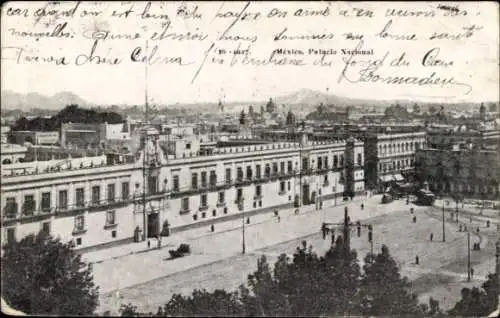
111, 199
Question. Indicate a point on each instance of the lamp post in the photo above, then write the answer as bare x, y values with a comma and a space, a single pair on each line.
444, 234
468, 256
243, 235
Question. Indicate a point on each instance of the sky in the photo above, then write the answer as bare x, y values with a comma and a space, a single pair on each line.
474, 60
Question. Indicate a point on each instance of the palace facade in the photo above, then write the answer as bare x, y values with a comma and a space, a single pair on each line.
95, 203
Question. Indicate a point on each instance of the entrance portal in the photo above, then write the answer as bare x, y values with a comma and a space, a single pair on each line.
305, 194
153, 225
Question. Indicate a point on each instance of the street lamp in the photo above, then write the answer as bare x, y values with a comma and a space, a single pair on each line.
444, 235
468, 256
243, 235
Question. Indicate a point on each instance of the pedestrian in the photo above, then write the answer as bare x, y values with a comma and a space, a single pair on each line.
333, 237
411, 210
471, 272
149, 244
488, 223
477, 230
279, 219
248, 220
416, 260
362, 206
159, 242
432, 236
212, 228
414, 219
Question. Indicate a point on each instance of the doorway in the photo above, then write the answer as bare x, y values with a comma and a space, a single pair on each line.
305, 194
153, 225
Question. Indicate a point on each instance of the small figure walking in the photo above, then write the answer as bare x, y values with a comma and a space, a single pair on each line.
471, 272
362, 206
414, 219
432, 236
416, 260
279, 219
411, 210
248, 220
477, 230
212, 228
149, 244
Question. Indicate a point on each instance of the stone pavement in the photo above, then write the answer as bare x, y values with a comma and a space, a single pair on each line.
173, 240
138, 268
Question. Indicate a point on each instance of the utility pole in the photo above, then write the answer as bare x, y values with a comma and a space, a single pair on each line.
444, 234
468, 256
243, 235
145, 152
347, 237
497, 258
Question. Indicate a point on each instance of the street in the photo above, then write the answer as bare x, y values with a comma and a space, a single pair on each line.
148, 280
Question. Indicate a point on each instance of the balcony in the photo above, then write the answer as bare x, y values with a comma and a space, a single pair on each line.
10, 211
109, 226
28, 208
184, 211
79, 231
257, 197
203, 207
243, 182
221, 204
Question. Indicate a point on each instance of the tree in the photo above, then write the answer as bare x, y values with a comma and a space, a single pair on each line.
478, 302
383, 291
268, 299
42, 276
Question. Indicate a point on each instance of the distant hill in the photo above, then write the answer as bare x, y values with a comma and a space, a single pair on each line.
26, 102
303, 100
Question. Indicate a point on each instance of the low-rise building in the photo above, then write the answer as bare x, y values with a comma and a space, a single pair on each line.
470, 171
12, 153
34, 137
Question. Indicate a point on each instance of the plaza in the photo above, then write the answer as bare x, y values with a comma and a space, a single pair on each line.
147, 278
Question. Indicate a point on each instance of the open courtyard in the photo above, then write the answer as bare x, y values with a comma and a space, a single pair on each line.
149, 278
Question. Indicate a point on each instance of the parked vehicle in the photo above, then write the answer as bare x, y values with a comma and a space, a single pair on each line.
181, 251
425, 197
387, 198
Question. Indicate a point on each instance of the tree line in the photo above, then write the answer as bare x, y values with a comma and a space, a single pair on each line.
71, 113
42, 275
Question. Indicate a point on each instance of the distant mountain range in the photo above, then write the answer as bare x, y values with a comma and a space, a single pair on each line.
301, 100
26, 102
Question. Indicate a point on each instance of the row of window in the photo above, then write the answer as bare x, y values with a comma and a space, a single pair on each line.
396, 165
400, 147
211, 179
239, 195
80, 221
29, 203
